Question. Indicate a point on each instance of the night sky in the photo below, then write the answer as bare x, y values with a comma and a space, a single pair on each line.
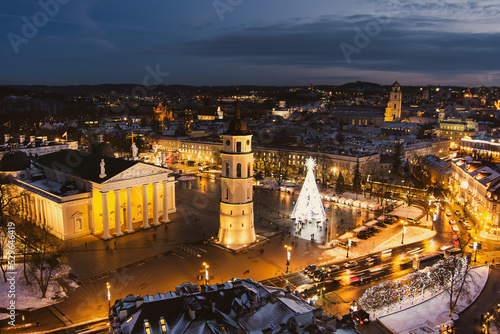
259, 42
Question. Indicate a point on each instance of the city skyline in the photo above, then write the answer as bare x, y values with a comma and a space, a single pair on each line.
226, 42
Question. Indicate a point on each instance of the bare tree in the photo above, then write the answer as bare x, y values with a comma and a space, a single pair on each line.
451, 276
323, 168
9, 205
281, 166
45, 252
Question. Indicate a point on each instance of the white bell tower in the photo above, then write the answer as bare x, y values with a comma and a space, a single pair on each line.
236, 228
393, 109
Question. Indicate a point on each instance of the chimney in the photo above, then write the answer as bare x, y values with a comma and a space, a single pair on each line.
22, 138
6, 138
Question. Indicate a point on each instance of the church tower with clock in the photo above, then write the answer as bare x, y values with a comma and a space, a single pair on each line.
236, 228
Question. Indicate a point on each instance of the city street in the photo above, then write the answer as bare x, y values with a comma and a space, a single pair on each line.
155, 261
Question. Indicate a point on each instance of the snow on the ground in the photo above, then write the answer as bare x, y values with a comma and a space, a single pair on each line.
29, 296
407, 211
385, 240
434, 311
412, 234
187, 178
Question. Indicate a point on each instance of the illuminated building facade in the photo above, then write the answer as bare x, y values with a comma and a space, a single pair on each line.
236, 228
477, 187
76, 193
483, 145
393, 109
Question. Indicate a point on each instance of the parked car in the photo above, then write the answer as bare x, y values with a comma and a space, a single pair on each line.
350, 264
448, 213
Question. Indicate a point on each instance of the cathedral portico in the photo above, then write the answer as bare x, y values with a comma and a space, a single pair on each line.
104, 193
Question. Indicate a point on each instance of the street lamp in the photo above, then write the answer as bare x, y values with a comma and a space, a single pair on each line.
348, 244
475, 246
288, 249
206, 272
403, 234
108, 286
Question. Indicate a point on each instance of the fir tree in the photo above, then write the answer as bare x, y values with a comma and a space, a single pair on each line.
340, 185
356, 180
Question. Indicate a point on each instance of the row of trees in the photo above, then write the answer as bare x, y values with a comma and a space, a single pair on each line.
448, 275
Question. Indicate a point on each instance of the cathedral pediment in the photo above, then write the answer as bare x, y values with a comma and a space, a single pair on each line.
137, 171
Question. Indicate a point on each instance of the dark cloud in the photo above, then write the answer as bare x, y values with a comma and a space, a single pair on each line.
394, 44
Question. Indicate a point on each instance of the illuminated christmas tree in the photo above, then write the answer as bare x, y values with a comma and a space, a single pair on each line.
309, 205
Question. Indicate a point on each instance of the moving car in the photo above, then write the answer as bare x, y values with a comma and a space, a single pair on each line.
309, 269
448, 213
457, 213
332, 268
350, 264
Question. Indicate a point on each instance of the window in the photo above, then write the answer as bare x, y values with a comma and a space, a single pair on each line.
228, 142
394, 105
231, 213
238, 170
238, 146
227, 193
242, 212
78, 224
248, 142
248, 170
227, 169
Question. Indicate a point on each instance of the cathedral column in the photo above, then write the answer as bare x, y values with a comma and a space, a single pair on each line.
33, 209
129, 212
44, 212
145, 217
155, 204
38, 212
23, 207
105, 216
165, 202
118, 214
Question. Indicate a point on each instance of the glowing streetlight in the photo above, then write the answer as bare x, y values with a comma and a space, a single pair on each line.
108, 286
403, 234
288, 249
206, 272
475, 246
348, 244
